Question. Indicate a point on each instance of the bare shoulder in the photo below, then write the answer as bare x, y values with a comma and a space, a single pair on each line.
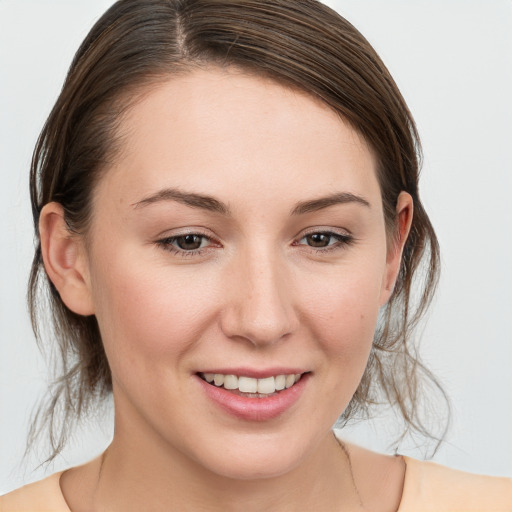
42, 495
433, 487
410, 485
47, 495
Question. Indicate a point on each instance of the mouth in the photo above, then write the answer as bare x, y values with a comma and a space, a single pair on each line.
250, 387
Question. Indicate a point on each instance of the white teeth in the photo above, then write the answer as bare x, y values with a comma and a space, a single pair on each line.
247, 385
230, 382
266, 386
290, 381
280, 382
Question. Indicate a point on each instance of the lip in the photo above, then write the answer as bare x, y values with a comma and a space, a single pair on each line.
255, 373
254, 409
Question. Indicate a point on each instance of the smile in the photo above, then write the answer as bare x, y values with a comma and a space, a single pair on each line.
262, 396
251, 387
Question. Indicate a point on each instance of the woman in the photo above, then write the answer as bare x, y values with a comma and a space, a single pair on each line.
226, 200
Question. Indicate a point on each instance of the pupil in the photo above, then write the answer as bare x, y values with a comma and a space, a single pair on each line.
318, 240
189, 242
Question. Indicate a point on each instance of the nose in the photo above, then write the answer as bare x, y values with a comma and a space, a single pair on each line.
259, 306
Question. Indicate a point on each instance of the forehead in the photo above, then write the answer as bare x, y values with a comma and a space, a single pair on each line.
225, 132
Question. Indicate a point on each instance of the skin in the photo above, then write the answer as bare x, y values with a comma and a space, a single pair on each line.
257, 295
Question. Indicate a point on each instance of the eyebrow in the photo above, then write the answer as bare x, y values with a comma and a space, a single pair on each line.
211, 204
324, 202
187, 198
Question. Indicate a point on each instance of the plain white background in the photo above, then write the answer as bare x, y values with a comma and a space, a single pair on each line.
451, 60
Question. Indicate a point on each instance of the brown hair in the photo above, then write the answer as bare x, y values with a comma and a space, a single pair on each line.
299, 43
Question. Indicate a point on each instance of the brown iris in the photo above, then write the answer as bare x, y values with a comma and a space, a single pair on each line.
189, 242
318, 239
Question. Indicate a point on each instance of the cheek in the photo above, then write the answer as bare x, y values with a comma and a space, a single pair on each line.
147, 313
342, 315
348, 306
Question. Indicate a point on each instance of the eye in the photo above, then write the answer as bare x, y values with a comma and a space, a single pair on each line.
190, 242
326, 240
319, 239
185, 245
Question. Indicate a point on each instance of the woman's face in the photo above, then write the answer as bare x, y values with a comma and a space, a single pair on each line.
239, 233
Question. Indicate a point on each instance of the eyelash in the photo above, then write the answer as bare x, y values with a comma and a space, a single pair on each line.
343, 240
167, 245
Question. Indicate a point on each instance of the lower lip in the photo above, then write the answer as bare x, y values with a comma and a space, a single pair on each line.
255, 409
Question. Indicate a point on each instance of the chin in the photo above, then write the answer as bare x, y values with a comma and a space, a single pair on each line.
259, 457
253, 468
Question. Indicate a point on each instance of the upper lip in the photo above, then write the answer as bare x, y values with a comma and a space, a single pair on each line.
255, 373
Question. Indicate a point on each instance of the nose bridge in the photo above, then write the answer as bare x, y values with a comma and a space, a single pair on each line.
260, 307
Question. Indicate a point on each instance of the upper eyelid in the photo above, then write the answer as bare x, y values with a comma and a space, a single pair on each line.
343, 239
301, 234
324, 230
172, 238
333, 234
167, 244
165, 235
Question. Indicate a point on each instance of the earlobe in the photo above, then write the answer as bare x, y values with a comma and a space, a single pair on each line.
404, 215
64, 260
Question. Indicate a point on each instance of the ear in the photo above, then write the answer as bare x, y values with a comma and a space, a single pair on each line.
404, 213
65, 260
